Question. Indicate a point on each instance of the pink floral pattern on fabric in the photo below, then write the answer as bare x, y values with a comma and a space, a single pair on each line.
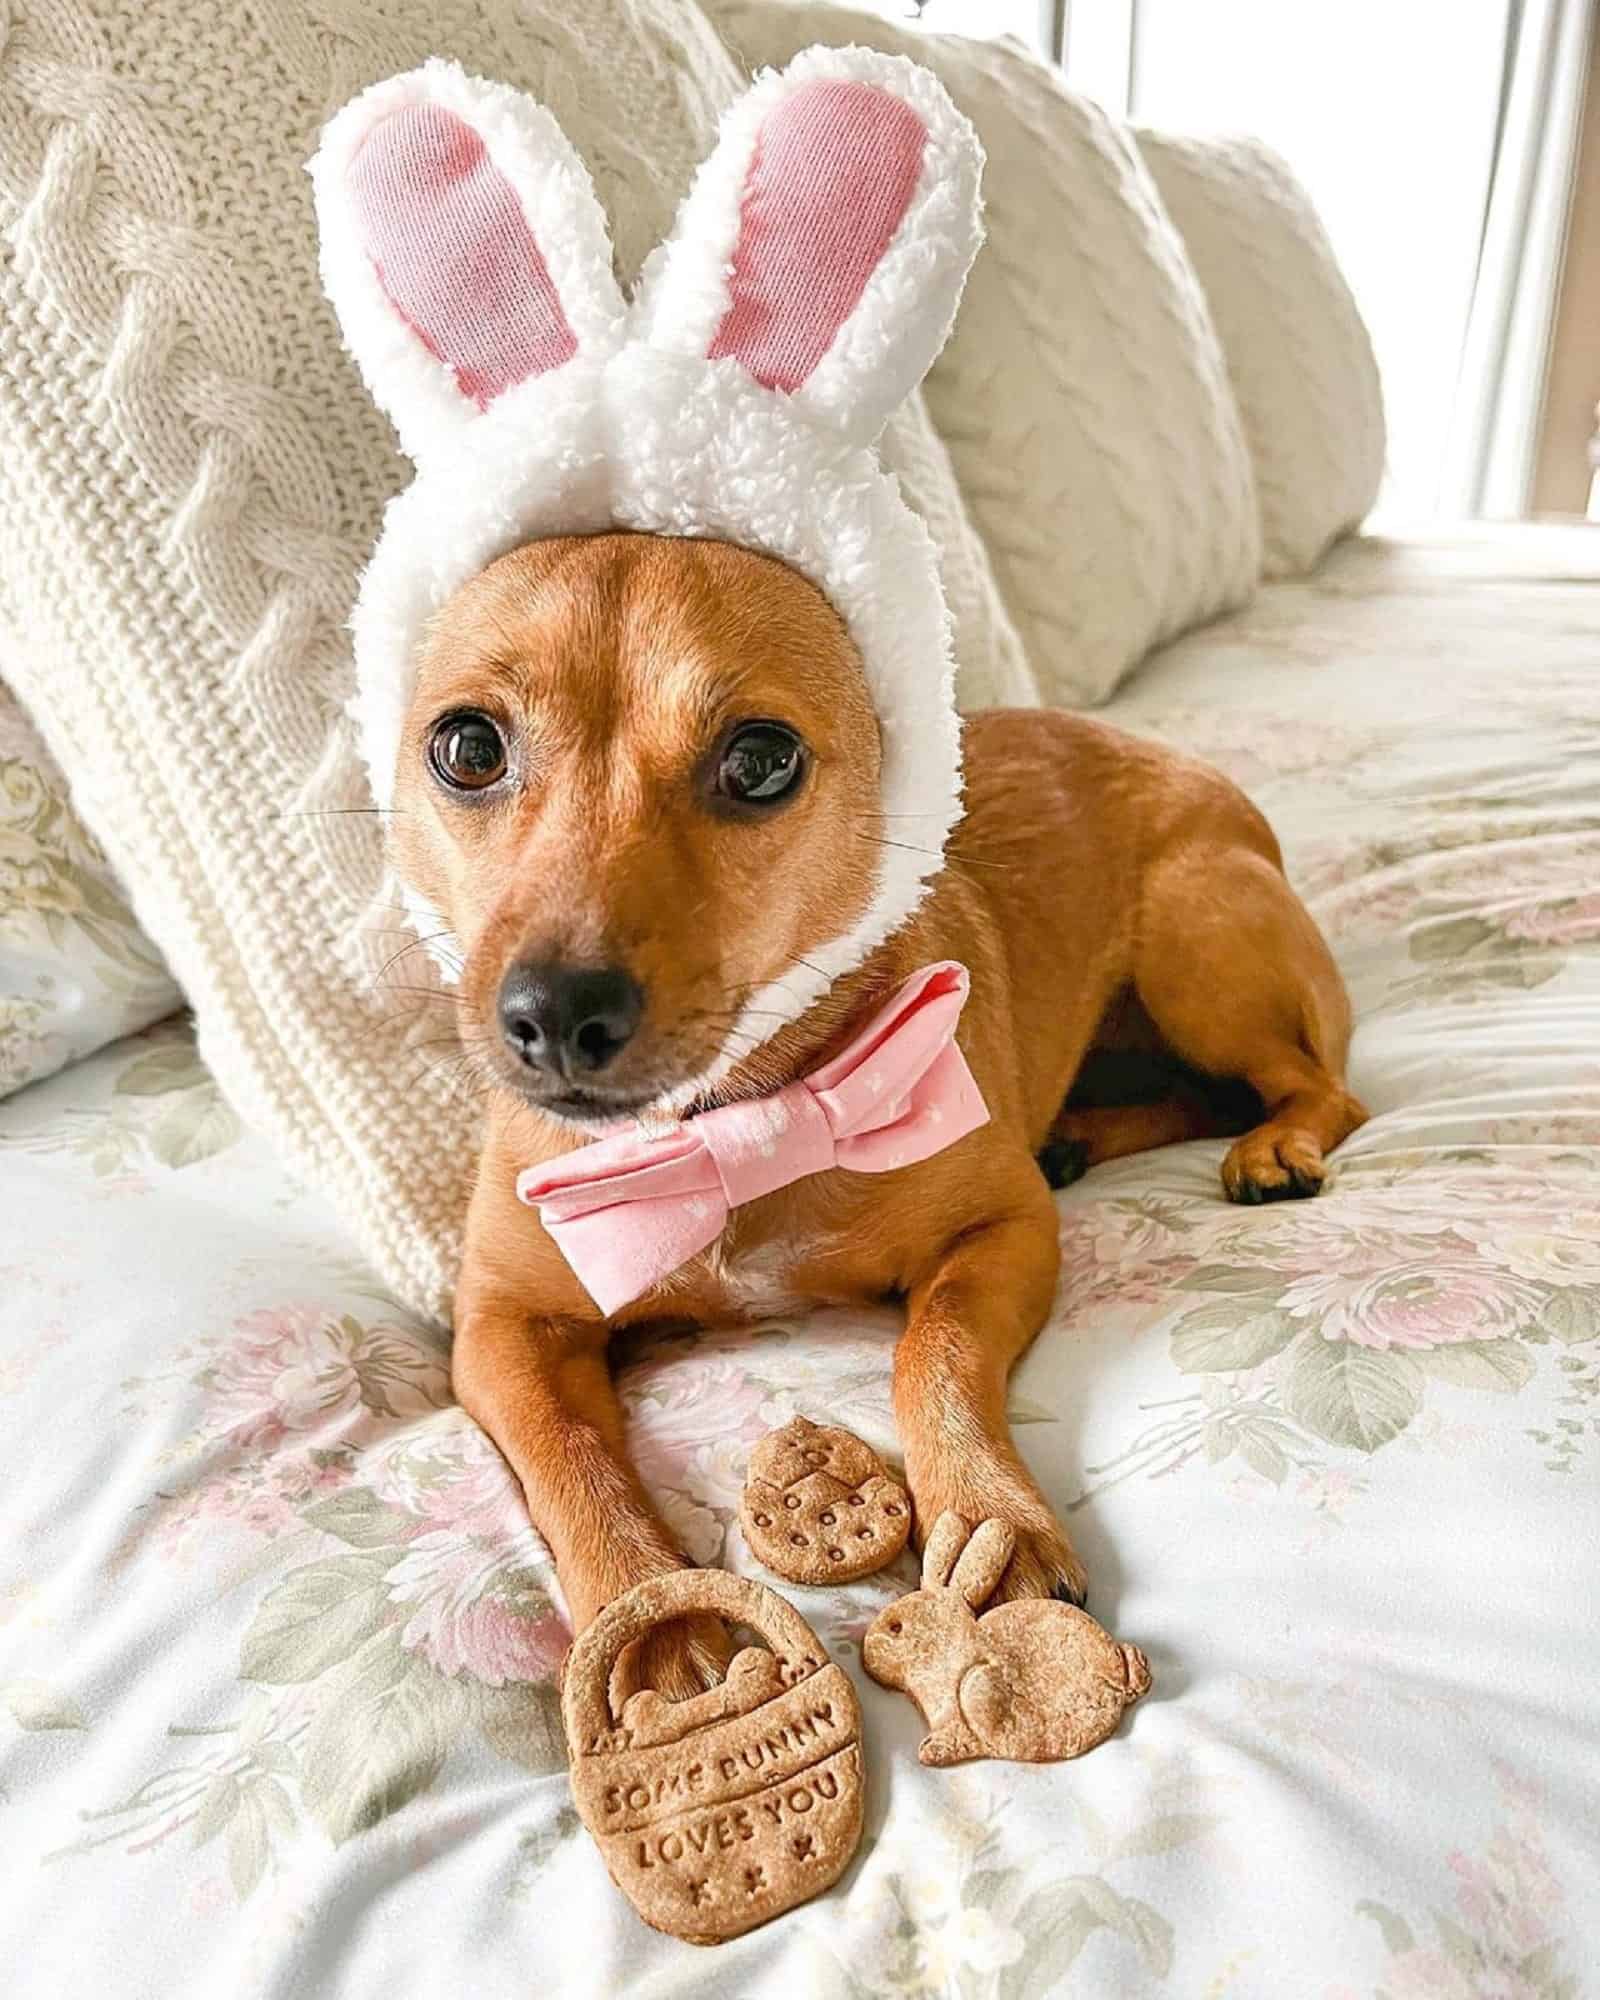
1499, 1935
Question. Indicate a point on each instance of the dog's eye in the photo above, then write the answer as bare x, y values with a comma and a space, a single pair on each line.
467, 752
763, 762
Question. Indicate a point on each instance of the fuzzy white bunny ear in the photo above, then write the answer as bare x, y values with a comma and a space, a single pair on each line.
825, 242
463, 248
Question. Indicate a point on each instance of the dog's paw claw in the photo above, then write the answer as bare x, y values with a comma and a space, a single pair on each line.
1044, 1565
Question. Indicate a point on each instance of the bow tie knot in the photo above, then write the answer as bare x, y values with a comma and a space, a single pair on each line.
627, 1212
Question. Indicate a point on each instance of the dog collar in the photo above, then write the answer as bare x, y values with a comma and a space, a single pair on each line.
628, 1212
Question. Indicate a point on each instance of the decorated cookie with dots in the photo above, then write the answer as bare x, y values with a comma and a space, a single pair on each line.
819, 1507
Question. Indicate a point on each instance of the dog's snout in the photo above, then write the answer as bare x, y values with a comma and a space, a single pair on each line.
569, 1020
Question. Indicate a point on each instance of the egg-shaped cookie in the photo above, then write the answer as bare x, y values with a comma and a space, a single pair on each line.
819, 1507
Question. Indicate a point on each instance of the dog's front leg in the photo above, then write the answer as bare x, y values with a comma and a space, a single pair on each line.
542, 1389
967, 1323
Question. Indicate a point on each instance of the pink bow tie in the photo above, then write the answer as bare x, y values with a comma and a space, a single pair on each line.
626, 1212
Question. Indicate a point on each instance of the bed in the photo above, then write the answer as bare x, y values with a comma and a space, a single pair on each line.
278, 1649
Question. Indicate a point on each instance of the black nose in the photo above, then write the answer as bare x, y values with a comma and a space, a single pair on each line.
568, 1020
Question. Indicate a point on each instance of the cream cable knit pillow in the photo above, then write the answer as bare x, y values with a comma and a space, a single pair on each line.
190, 480
1083, 396
1299, 354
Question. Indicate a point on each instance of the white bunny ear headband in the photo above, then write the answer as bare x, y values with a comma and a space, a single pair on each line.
808, 284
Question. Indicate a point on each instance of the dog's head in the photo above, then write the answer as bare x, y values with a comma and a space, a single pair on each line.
639, 780
662, 786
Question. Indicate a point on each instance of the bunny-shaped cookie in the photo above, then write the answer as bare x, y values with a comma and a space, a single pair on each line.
1033, 1681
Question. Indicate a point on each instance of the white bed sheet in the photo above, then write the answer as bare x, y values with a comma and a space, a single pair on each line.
277, 1648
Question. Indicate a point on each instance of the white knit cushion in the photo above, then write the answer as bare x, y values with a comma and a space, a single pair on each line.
1298, 353
1083, 397
992, 665
191, 477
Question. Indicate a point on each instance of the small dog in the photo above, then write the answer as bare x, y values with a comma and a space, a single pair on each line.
640, 780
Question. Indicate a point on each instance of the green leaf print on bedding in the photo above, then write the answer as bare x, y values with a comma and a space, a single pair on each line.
35, 1705
1332, 1326
379, 1739
947, 1906
162, 1110
1351, 1395
315, 1618
1227, 1336
191, 1121
404, 1617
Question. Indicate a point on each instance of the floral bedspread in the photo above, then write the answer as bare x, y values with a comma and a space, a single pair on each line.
278, 1648
76, 971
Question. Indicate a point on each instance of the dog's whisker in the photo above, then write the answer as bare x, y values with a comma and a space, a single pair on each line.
949, 854
704, 1014
809, 964
404, 950
439, 1066
423, 993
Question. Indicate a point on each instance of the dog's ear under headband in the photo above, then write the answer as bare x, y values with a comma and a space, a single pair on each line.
822, 248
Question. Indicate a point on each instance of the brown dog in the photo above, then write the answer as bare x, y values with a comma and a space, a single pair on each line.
640, 780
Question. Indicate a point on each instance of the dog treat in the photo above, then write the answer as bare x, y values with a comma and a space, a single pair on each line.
819, 1507
1033, 1681
715, 1814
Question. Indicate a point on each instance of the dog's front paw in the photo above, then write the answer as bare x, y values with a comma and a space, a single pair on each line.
680, 1659
1043, 1563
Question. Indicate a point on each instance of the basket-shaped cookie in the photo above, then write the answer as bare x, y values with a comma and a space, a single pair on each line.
718, 1813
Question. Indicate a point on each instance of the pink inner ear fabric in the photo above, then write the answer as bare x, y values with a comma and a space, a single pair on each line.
833, 173
454, 254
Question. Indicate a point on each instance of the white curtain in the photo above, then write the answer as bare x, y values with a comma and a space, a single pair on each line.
1438, 137
1494, 423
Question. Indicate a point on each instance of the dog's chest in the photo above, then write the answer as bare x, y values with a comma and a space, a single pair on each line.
760, 1277
803, 1247
785, 1254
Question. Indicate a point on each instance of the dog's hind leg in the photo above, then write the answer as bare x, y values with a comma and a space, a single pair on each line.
1086, 1136
1240, 984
